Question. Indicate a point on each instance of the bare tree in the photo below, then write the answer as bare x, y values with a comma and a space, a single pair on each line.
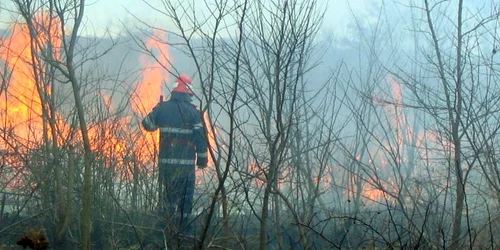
270, 57
42, 39
380, 153
64, 19
459, 82
413, 136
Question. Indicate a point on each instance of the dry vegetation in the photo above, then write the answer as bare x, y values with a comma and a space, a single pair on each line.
397, 151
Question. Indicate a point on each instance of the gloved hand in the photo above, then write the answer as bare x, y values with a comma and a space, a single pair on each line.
201, 162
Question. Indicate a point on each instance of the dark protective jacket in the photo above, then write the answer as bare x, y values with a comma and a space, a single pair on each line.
182, 136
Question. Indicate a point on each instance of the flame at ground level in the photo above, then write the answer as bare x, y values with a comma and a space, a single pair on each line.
116, 140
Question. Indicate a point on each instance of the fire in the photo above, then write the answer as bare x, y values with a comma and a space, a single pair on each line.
258, 173
25, 84
148, 91
324, 179
395, 147
212, 144
373, 194
20, 104
405, 142
116, 137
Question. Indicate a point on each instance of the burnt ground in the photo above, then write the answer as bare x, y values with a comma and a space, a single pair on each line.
149, 231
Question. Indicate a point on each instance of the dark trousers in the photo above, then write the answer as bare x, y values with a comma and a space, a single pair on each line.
176, 196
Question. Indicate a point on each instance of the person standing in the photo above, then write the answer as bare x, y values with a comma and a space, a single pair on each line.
183, 145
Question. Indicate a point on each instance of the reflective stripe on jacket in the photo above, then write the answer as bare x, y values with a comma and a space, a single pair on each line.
182, 135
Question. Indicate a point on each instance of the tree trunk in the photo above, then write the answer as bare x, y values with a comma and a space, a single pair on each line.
87, 174
277, 219
67, 214
460, 188
265, 205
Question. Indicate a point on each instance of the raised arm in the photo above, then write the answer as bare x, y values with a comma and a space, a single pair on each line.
149, 122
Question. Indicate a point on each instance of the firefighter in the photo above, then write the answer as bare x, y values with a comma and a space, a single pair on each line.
183, 144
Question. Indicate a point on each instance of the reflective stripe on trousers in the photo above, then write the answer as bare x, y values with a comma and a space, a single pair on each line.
177, 161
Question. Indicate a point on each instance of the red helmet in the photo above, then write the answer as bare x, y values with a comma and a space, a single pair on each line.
183, 83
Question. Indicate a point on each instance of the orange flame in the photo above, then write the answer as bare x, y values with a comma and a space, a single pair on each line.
373, 194
118, 140
20, 104
257, 173
148, 91
25, 86
200, 174
211, 138
325, 181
